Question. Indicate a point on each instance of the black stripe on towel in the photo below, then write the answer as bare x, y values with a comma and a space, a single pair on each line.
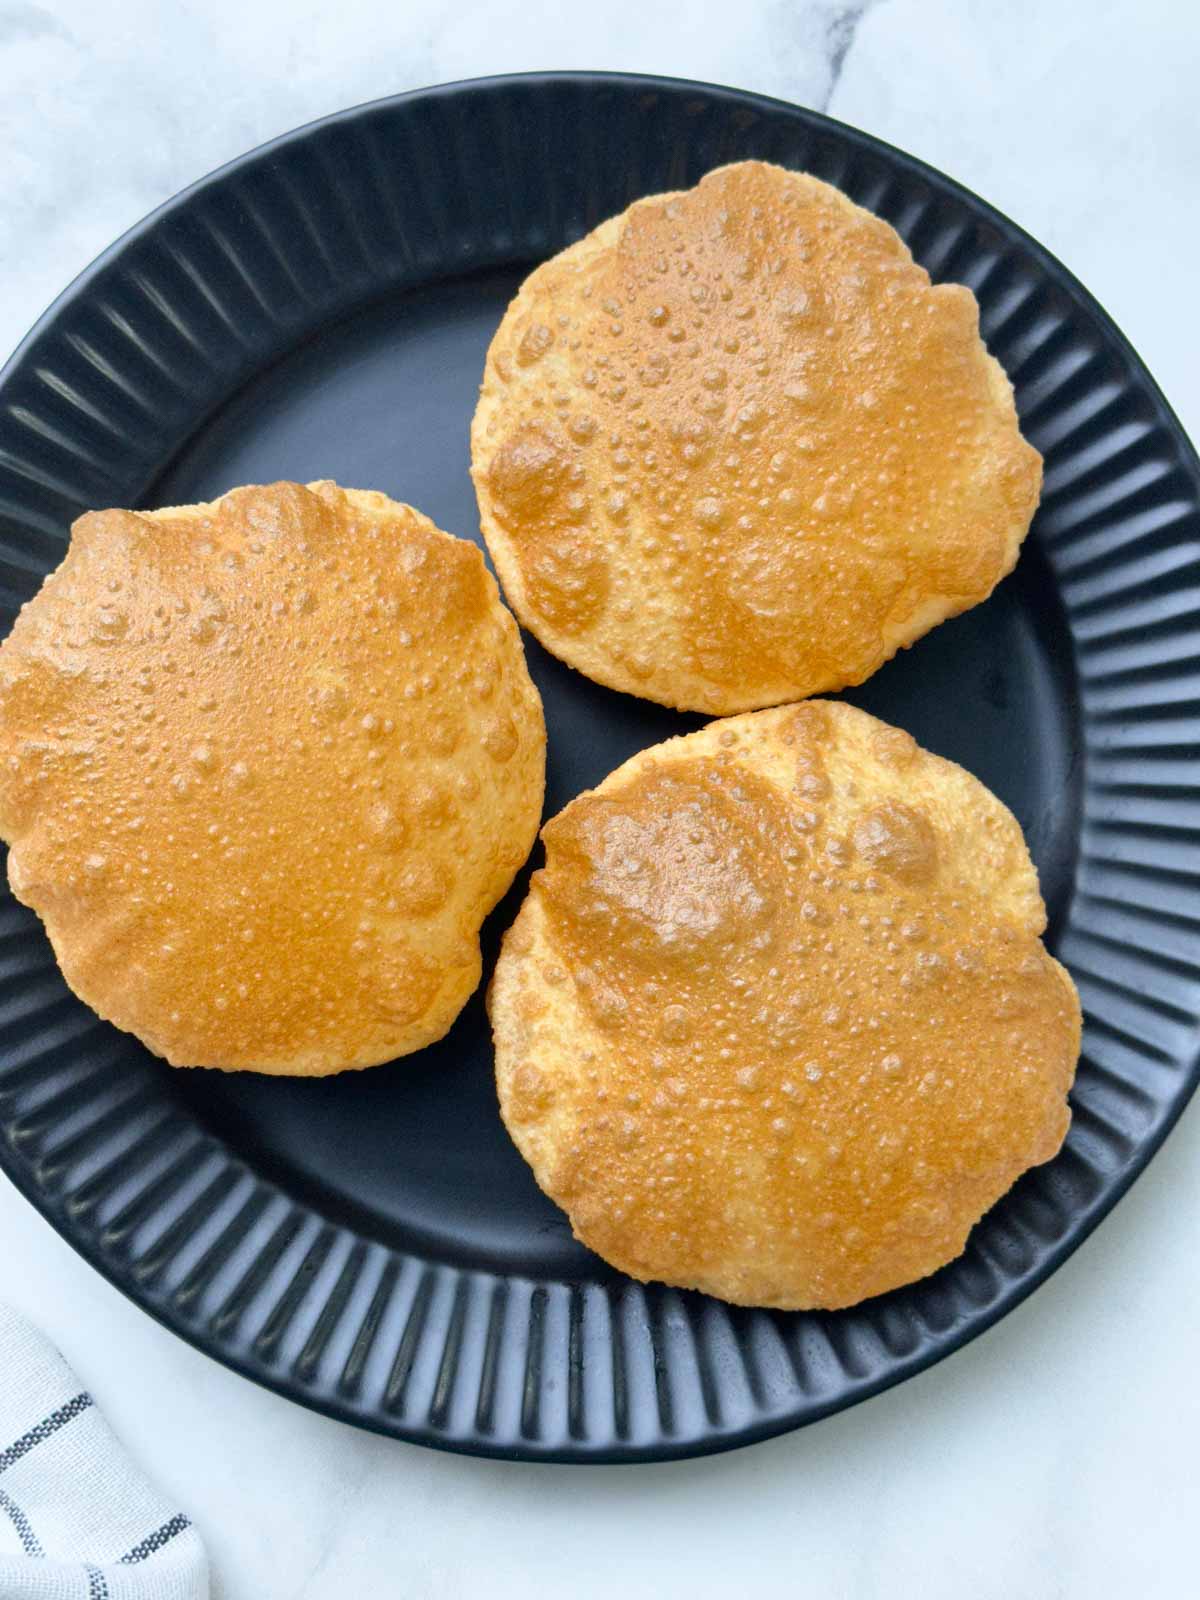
157, 1539
97, 1584
44, 1429
29, 1539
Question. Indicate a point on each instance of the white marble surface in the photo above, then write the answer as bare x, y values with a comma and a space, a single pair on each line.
1054, 1457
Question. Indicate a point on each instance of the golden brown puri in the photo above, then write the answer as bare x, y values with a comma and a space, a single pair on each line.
733, 449
265, 765
775, 1020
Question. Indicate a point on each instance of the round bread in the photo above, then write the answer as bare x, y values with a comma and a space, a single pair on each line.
265, 765
775, 1021
733, 449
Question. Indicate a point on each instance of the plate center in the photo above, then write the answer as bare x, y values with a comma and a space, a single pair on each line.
415, 1153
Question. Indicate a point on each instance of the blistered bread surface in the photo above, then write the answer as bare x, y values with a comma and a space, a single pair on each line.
775, 1020
733, 448
265, 764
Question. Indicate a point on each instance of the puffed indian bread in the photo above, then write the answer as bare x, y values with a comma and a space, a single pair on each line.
265, 765
775, 1020
732, 448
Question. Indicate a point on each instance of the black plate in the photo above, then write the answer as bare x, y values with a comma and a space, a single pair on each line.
372, 1245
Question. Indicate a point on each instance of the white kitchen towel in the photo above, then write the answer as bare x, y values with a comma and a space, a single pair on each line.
77, 1520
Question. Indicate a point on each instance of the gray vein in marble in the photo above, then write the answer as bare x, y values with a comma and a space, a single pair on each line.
29, 22
345, 1490
814, 41
839, 37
